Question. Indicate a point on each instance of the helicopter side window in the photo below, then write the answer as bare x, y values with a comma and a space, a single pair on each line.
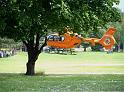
61, 38
50, 37
55, 38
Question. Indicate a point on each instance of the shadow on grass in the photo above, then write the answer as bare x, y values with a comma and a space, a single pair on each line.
42, 74
22, 74
58, 75
63, 53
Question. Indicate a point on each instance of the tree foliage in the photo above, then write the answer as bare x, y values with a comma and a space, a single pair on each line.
90, 14
9, 43
22, 16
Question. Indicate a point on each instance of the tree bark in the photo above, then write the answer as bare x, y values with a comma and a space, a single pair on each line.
123, 46
85, 49
119, 47
32, 57
30, 68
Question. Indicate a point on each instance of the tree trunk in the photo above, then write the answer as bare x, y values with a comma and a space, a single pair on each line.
119, 47
30, 68
85, 49
33, 50
32, 57
123, 46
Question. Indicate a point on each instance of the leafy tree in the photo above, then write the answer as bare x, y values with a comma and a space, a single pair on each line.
120, 32
9, 43
91, 14
29, 20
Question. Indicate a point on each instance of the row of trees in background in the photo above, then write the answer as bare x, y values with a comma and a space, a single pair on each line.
119, 36
28, 20
9, 43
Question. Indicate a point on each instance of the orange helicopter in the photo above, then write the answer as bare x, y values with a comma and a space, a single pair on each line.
69, 41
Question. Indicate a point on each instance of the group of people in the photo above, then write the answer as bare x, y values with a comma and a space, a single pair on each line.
6, 53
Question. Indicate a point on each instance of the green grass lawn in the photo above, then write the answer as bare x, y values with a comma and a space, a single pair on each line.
81, 63
61, 83
86, 71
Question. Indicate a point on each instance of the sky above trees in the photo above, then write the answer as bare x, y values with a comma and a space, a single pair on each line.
121, 5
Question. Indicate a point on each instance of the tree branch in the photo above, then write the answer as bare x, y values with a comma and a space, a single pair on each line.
37, 41
25, 43
45, 43
31, 39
